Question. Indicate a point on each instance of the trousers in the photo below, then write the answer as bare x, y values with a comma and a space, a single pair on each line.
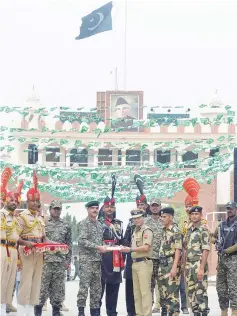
129, 297
111, 297
141, 275
8, 273
29, 289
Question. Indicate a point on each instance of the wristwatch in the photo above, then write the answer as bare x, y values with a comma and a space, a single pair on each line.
130, 249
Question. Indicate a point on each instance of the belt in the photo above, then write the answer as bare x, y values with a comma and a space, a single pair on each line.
8, 243
140, 259
36, 240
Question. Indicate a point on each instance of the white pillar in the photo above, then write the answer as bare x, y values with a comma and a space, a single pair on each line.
41, 159
114, 156
151, 157
123, 160
96, 158
68, 158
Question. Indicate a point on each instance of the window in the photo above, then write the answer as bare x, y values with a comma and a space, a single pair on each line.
119, 157
214, 152
79, 156
52, 154
32, 154
189, 156
105, 157
163, 156
133, 157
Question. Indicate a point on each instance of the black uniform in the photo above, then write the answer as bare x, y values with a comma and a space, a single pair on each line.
128, 271
112, 235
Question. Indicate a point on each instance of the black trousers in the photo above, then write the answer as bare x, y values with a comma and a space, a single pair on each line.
111, 297
129, 297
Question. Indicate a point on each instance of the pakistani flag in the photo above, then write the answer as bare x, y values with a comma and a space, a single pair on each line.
96, 22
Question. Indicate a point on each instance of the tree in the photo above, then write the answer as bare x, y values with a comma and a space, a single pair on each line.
73, 223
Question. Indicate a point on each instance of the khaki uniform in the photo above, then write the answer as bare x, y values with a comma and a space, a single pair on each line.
32, 228
9, 235
142, 268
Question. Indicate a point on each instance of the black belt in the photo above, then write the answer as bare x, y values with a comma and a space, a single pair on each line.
8, 243
140, 259
36, 240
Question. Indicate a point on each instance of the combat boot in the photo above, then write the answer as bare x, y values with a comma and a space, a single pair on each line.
164, 311
95, 311
204, 313
81, 311
234, 312
38, 310
56, 311
11, 308
196, 314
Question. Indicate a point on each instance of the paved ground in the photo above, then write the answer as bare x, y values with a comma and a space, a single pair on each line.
71, 294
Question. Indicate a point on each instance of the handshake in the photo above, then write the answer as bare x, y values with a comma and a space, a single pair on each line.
104, 249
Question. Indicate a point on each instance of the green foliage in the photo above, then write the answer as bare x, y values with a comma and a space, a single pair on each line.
73, 223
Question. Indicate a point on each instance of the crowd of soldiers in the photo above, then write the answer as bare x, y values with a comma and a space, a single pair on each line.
152, 252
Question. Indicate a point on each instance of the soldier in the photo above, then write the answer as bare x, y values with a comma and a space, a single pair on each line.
53, 285
169, 268
32, 230
90, 241
226, 238
9, 238
112, 262
128, 270
142, 266
155, 225
197, 242
141, 199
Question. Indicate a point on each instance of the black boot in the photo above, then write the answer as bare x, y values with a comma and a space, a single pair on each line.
81, 311
56, 311
205, 313
164, 311
95, 311
38, 310
196, 314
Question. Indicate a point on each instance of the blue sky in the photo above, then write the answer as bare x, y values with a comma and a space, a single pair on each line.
178, 52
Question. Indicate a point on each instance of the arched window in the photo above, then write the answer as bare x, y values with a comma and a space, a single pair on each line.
79, 156
163, 156
133, 157
105, 157
189, 156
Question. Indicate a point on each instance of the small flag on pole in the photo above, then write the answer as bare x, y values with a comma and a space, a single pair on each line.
96, 22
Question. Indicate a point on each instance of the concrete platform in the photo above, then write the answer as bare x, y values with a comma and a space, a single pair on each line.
71, 296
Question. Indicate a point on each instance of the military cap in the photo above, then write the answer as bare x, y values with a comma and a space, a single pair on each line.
195, 209
92, 203
109, 201
137, 213
231, 204
155, 201
55, 204
167, 210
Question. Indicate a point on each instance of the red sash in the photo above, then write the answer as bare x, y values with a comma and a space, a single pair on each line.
118, 262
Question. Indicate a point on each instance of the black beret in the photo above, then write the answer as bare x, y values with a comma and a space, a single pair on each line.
195, 209
92, 203
167, 210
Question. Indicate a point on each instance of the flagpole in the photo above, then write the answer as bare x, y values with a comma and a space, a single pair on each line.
125, 46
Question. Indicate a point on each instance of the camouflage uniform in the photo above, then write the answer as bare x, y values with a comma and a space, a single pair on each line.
52, 284
156, 227
169, 288
90, 235
226, 269
197, 239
